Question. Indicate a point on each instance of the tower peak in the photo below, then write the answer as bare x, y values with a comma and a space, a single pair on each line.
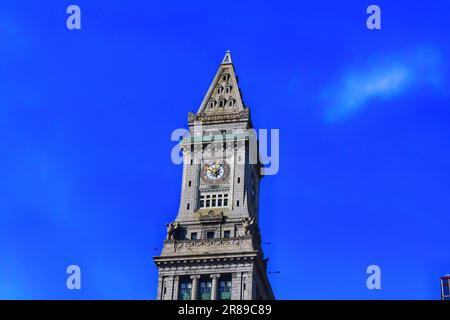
227, 58
224, 95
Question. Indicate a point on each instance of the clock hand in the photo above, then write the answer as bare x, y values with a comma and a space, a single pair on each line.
213, 171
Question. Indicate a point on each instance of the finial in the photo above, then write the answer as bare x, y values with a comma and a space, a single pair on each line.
227, 58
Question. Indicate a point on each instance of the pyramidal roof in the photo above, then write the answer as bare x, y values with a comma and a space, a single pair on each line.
224, 95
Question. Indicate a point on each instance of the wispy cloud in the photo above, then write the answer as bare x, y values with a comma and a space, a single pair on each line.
386, 78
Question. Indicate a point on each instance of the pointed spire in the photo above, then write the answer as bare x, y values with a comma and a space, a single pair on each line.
227, 58
224, 95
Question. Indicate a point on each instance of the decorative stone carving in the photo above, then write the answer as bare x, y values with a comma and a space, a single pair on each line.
210, 216
172, 229
224, 244
219, 117
246, 224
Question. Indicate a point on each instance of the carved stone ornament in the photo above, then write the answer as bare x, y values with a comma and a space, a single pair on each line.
219, 117
189, 245
172, 229
246, 224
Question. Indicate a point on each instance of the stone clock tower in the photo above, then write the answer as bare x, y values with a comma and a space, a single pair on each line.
213, 250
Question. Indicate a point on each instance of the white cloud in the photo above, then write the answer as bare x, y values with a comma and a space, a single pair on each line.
384, 79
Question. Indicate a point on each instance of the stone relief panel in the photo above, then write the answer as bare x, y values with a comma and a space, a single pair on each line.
224, 245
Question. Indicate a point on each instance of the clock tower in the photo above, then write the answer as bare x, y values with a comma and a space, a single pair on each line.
213, 249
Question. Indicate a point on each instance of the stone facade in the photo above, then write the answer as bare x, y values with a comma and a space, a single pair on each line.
212, 249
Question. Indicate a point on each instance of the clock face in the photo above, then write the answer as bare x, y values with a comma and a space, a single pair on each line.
215, 171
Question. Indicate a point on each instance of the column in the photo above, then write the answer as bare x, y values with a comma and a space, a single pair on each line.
194, 293
236, 286
248, 286
215, 286
160, 288
176, 286
167, 288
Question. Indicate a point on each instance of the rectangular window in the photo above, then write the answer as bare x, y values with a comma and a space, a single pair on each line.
210, 235
237, 203
189, 183
205, 290
226, 233
239, 180
225, 288
185, 290
194, 236
188, 206
213, 200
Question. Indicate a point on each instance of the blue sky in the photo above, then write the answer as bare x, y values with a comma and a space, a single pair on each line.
86, 116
